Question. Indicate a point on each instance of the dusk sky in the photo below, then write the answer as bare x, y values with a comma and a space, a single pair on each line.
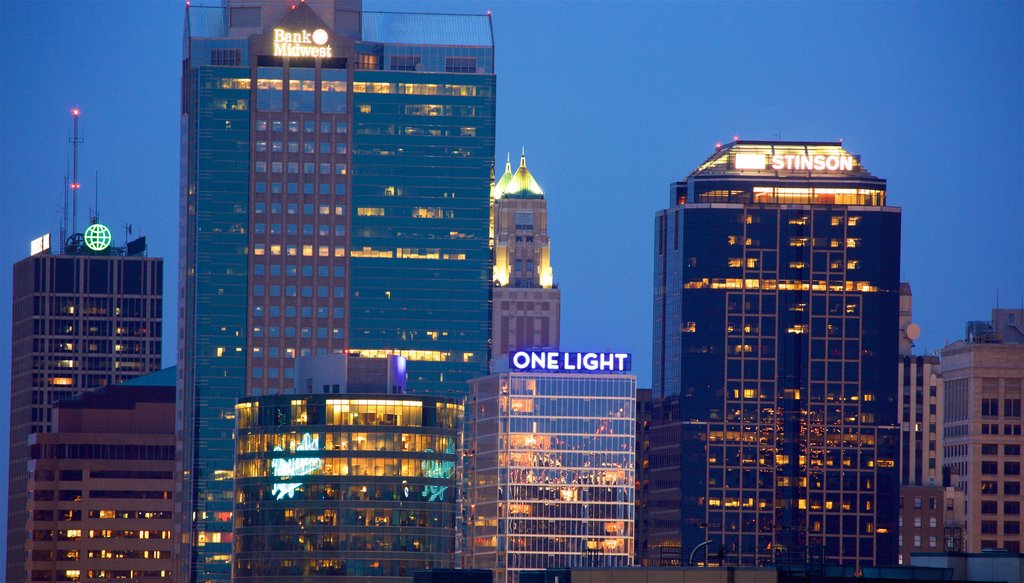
613, 102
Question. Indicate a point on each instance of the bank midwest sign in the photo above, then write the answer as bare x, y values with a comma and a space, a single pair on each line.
554, 361
302, 43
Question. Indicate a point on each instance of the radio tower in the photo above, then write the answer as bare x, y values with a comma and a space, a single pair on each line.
75, 140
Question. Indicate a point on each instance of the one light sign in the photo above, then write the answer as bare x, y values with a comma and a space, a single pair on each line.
97, 237
40, 244
288, 468
302, 43
554, 361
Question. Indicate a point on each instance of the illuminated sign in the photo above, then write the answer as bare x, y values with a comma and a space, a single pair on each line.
301, 44
818, 162
749, 162
97, 237
297, 466
807, 162
437, 469
40, 244
553, 361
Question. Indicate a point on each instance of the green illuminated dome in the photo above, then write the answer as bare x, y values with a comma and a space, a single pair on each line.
499, 187
519, 185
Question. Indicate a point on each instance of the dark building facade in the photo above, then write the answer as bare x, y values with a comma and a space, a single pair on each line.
775, 348
100, 486
334, 196
82, 319
345, 488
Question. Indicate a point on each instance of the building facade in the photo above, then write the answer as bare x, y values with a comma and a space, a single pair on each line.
983, 377
100, 486
775, 309
931, 508
82, 319
920, 412
345, 488
526, 304
334, 198
931, 520
551, 469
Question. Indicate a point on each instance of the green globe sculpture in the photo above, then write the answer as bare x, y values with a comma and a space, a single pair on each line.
97, 237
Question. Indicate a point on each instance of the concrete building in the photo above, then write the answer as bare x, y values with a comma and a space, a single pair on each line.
931, 509
551, 464
983, 377
776, 302
84, 318
526, 304
931, 520
100, 486
335, 180
920, 411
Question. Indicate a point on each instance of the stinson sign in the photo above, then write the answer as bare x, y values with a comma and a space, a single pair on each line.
301, 43
819, 162
554, 361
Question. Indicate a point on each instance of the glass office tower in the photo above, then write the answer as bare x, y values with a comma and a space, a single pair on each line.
345, 488
775, 342
550, 471
334, 197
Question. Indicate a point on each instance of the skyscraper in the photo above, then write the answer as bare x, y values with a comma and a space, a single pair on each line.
526, 303
776, 307
551, 464
83, 319
983, 376
334, 198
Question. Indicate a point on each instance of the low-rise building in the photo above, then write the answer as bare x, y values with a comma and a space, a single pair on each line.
100, 484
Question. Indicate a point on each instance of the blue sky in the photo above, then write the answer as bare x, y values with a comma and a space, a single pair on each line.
613, 101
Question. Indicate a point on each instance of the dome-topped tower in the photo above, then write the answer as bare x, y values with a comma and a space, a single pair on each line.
527, 304
521, 184
498, 188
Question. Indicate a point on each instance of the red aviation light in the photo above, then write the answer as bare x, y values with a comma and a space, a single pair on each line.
75, 112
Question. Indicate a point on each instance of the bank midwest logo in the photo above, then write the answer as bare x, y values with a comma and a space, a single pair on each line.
302, 43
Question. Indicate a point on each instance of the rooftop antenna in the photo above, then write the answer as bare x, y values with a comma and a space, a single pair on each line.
127, 231
75, 140
94, 216
64, 210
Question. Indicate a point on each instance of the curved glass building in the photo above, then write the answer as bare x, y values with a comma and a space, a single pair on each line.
344, 488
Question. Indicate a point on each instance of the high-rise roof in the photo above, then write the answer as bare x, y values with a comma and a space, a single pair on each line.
520, 184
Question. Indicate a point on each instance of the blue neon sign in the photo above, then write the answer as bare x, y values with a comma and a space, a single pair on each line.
555, 361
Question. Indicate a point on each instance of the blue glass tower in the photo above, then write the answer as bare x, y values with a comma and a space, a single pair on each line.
775, 431
334, 198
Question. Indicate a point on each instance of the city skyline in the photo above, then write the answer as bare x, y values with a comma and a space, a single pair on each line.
948, 248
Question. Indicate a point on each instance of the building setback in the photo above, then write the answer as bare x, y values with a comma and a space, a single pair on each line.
526, 304
983, 377
82, 319
334, 198
775, 309
100, 486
